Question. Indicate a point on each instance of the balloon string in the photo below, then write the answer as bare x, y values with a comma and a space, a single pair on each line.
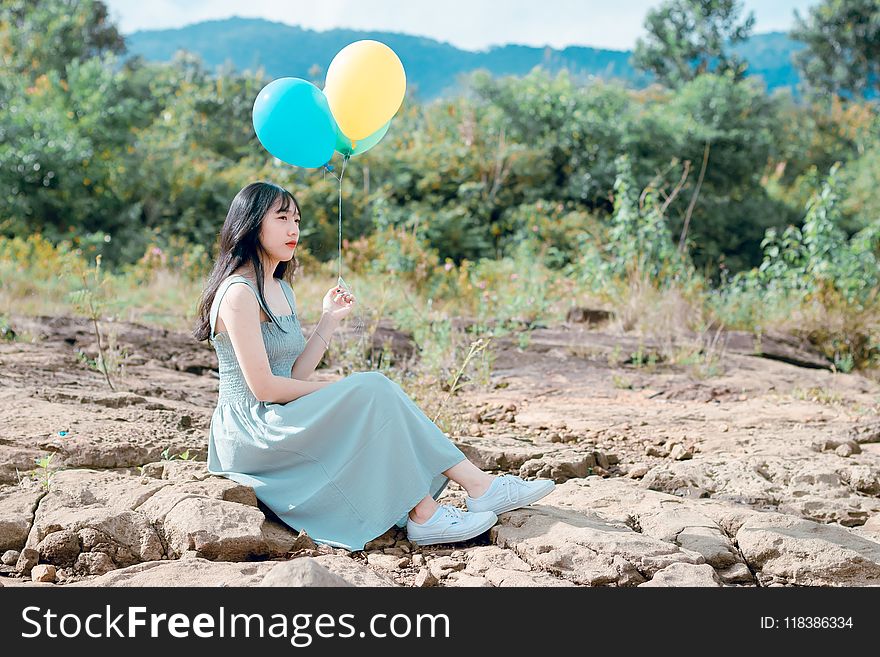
358, 324
341, 175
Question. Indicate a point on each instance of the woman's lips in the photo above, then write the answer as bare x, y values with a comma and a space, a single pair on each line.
291, 243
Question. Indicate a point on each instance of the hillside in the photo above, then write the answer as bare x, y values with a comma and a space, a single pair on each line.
432, 66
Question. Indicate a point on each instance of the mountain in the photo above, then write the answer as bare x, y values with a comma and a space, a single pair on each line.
769, 56
432, 66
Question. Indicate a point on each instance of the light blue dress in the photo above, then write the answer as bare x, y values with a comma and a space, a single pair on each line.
344, 463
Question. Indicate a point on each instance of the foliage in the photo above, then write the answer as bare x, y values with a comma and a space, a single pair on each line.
43, 473
731, 127
121, 158
637, 243
687, 38
561, 138
507, 204
183, 456
829, 282
92, 299
843, 47
818, 259
39, 37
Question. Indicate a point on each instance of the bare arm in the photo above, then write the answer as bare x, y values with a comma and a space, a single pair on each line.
240, 313
315, 347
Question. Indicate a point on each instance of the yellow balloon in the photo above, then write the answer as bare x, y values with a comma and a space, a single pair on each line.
365, 87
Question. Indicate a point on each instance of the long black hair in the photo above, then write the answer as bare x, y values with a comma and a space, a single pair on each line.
240, 244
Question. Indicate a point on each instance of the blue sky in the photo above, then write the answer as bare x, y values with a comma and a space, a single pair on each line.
470, 24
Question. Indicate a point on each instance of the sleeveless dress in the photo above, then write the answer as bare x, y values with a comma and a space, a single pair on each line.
344, 463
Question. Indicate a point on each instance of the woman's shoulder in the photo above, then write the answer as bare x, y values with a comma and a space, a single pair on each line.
232, 291
238, 276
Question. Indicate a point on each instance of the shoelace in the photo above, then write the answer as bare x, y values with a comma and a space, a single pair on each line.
453, 513
509, 484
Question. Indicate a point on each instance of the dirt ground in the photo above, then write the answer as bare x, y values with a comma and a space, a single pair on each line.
775, 432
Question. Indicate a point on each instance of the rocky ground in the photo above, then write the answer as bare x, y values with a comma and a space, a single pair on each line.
767, 473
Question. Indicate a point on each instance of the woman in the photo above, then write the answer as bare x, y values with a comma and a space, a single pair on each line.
343, 460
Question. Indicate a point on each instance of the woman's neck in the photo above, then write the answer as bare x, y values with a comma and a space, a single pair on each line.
268, 278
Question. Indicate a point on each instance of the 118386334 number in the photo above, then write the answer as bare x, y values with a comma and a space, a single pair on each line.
817, 622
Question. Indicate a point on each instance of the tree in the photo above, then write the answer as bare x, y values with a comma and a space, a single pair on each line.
727, 130
38, 37
689, 37
843, 47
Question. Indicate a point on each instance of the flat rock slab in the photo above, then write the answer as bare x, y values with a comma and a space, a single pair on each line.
821, 487
585, 550
503, 568
135, 519
788, 550
17, 506
501, 453
202, 572
685, 574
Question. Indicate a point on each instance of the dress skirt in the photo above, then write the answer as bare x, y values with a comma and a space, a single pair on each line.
345, 463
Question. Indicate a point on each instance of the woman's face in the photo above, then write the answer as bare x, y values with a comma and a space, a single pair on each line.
279, 231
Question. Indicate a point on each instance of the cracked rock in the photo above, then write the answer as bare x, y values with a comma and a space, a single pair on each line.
60, 548
685, 574
792, 551
93, 563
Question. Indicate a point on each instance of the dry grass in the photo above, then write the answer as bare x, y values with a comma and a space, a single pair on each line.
849, 337
37, 278
676, 318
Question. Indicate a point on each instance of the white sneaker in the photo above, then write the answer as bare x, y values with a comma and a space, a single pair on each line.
449, 525
508, 492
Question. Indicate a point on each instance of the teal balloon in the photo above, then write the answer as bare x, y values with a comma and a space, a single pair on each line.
343, 143
293, 122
